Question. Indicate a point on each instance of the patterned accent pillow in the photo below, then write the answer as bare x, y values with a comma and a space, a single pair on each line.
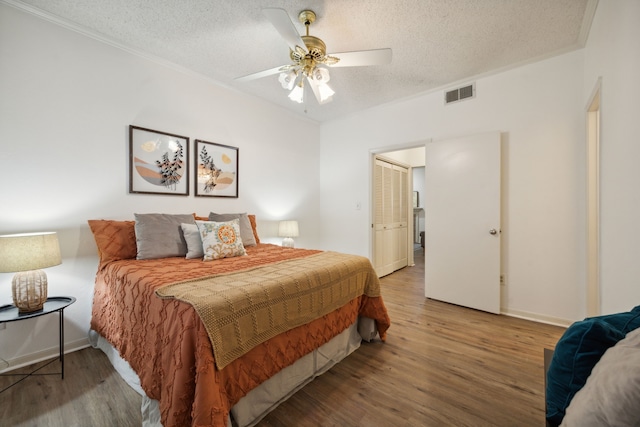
221, 239
246, 231
252, 221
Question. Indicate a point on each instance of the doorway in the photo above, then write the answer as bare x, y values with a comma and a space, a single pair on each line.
409, 157
482, 261
391, 229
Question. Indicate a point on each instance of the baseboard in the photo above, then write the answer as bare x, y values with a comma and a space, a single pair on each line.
540, 318
49, 353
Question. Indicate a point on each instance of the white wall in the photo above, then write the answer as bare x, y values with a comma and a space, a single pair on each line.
538, 108
613, 53
66, 101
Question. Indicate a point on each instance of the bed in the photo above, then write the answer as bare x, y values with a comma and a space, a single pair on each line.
222, 342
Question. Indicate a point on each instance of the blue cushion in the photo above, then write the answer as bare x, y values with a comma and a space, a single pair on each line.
575, 355
625, 322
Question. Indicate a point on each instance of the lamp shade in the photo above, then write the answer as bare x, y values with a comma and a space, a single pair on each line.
325, 92
26, 254
288, 229
29, 251
297, 94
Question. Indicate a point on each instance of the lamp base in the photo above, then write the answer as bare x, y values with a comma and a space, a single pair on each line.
287, 242
29, 290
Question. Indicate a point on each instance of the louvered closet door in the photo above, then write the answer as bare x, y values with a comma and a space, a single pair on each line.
399, 219
390, 217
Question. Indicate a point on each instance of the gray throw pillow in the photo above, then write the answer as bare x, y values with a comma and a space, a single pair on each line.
246, 232
160, 235
194, 241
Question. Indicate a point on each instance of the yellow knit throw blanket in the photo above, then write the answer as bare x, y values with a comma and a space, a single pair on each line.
243, 309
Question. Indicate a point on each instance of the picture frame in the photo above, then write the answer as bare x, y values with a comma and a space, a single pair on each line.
416, 199
158, 162
216, 169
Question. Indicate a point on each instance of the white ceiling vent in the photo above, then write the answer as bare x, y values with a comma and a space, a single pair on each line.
460, 93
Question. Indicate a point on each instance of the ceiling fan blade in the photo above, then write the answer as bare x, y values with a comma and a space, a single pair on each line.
261, 74
280, 19
362, 57
314, 89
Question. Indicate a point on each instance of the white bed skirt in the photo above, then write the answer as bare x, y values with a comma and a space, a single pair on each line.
266, 397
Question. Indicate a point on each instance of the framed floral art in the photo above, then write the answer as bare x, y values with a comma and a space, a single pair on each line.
216, 171
158, 162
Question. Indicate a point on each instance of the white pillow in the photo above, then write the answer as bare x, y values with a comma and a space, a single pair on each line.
193, 239
221, 239
611, 395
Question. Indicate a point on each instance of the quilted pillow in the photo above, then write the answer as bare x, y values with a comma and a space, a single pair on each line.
160, 235
576, 353
246, 232
194, 241
116, 240
611, 395
221, 239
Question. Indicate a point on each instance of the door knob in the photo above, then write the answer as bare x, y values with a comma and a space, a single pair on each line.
493, 231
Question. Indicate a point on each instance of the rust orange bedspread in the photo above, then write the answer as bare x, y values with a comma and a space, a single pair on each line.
167, 345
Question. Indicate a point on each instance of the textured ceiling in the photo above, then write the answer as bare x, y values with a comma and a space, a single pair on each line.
435, 43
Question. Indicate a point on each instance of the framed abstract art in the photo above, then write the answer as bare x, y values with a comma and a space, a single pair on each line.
158, 162
216, 171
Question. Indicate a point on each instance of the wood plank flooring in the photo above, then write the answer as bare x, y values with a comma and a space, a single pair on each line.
442, 365
92, 394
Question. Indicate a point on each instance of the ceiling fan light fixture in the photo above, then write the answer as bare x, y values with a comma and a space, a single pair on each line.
297, 94
287, 79
321, 75
325, 92
309, 58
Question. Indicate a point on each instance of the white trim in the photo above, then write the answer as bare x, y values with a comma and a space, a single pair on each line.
48, 353
587, 20
540, 318
593, 298
400, 147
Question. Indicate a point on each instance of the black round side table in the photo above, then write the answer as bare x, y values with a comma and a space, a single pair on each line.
10, 313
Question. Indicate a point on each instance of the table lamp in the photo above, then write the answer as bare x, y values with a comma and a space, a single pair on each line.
25, 254
288, 230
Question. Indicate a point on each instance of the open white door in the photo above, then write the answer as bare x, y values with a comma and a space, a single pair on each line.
462, 221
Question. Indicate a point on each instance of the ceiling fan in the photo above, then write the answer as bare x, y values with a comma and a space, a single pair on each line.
310, 62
